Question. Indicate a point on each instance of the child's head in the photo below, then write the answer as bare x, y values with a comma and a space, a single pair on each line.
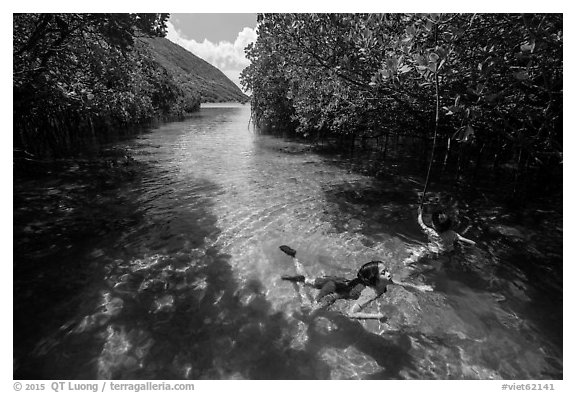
441, 221
372, 272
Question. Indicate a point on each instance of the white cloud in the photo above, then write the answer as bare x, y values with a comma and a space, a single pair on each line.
226, 56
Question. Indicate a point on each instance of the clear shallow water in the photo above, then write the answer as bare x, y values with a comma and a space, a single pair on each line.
175, 272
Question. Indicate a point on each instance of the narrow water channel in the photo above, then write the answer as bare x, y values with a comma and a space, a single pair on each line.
172, 271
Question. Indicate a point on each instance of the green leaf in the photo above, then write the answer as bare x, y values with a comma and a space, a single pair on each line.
528, 47
491, 97
421, 60
441, 64
522, 75
367, 33
392, 63
442, 52
404, 69
410, 31
464, 134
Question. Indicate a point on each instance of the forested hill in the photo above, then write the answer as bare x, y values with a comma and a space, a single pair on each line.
194, 73
80, 78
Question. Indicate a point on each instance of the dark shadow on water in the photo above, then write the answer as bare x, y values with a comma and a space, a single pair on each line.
374, 208
60, 215
109, 289
216, 328
389, 350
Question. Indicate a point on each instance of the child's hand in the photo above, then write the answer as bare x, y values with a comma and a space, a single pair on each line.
424, 288
465, 240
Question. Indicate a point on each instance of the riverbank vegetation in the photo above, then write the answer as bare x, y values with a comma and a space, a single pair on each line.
79, 77
480, 93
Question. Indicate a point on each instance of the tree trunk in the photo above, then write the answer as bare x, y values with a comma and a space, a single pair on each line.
448, 145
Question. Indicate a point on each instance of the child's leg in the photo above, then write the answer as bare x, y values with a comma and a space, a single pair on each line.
308, 282
323, 304
327, 288
299, 268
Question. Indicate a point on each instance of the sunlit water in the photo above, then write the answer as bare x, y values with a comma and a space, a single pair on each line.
180, 275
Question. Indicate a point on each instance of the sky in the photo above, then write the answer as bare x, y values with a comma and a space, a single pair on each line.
219, 39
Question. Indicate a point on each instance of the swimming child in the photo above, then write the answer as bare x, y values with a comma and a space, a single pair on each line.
441, 236
370, 283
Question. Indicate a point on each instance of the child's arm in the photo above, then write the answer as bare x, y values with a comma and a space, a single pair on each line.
420, 221
429, 231
365, 298
465, 240
421, 288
